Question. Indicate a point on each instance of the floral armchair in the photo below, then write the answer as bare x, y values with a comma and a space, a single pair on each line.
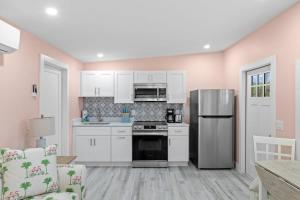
34, 174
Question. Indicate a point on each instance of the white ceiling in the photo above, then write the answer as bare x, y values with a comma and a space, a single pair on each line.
123, 29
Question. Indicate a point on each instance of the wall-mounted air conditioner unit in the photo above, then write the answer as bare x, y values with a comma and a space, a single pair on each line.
9, 38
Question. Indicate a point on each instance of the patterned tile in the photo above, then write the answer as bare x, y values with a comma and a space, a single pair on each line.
145, 111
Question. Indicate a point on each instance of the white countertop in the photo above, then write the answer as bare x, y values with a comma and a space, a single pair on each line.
78, 123
113, 123
178, 124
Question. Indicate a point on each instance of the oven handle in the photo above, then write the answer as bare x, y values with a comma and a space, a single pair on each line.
163, 133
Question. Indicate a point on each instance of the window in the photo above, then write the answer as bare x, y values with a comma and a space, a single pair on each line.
261, 85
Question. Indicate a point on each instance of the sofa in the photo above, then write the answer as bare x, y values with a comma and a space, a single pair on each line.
34, 174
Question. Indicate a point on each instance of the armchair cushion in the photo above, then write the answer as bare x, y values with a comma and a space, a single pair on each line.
29, 173
72, 178
55, 196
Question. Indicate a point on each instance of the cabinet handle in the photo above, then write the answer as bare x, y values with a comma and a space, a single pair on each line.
91, 142
98, 91
122, 137
95, 91
121, 131
94, 142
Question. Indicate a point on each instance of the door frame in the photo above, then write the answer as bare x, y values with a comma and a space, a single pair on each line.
64, 69
241, 166
297, 106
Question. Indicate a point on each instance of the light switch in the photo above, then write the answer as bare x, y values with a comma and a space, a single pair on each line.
279, 125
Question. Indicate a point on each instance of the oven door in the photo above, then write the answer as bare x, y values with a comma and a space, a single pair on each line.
150, 150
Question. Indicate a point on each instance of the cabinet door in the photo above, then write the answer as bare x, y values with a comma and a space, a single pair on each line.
88, 84
178, 149
93, 148
121, 148
141, 77
124, 87
158, 77
84, 149
176, 87
105, 83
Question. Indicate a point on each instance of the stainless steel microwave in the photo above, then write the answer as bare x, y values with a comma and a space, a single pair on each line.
150, 92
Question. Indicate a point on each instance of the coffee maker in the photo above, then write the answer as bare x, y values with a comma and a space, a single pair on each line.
170, 116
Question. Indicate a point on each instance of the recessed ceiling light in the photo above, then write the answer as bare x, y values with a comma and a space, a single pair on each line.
51, 11
100, 55
207, 46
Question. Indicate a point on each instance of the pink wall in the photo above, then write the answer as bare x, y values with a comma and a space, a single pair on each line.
203, 70
279, 37
18, 71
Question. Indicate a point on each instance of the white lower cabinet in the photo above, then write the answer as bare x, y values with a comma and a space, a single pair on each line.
93, 148
178, 149
121, 148
107, 145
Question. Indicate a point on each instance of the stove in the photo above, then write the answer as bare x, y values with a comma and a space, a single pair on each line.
149, 126
150, 144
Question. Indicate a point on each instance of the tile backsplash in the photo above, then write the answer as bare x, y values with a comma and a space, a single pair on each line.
144, 111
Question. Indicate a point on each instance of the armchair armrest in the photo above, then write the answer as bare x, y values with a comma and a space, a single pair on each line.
72, 178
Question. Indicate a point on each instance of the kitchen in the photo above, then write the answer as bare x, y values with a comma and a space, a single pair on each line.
127, 112
135, 118
149, 106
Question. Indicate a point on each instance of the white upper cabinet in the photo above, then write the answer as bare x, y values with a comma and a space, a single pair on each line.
124, 87
176, 87
97, 84
106, 84
150, 77
88, 84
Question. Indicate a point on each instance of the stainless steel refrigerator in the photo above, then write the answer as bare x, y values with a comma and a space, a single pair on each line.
212, 128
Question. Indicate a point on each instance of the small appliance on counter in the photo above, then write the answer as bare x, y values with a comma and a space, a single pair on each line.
170, 116
178, 118
84, 116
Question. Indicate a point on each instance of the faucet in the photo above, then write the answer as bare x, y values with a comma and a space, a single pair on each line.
98, 116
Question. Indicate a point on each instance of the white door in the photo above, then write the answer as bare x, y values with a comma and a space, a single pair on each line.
258, 111
178, 150
124, 87
51, 103
93, 148
88, 84
121, 148
141, 77
158, 77
176, 87
105, 84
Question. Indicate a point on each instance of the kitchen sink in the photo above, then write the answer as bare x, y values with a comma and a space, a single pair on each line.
98, 123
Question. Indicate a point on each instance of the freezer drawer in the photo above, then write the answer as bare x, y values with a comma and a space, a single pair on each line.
216, 143
216, 102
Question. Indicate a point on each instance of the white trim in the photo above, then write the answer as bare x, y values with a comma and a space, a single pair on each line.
242, 98
65, 140
297, 117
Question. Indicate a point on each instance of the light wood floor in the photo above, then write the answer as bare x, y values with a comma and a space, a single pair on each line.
174, 183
